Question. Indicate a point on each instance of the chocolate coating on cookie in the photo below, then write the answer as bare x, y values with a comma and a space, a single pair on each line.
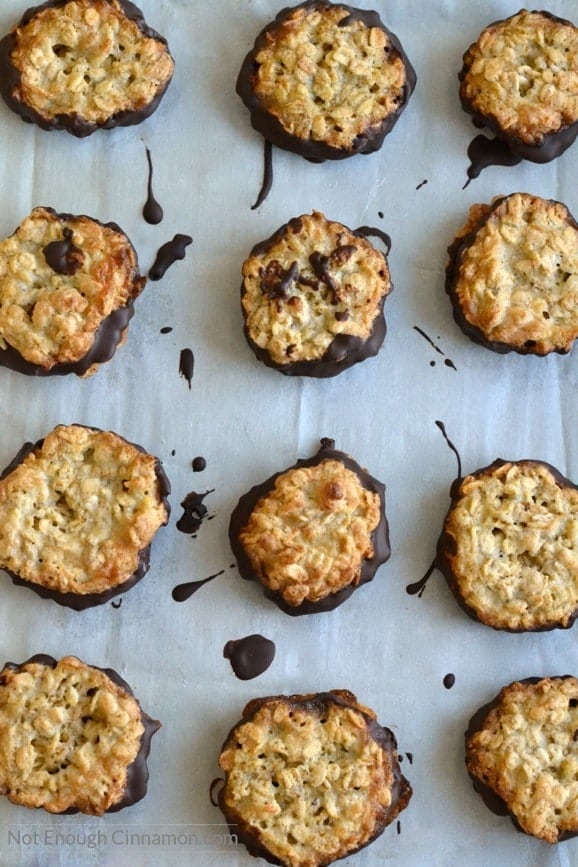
321, 782
136, 774
83, 65
522, 755
110, 583
519, 80
359, 570
512, 275
345, 112
509, 546
312, 297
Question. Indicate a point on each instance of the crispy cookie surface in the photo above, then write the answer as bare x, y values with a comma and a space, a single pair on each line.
312, 297
512, 275
72, 737
521, 78
312, 534
522, 754
67, 287
310, 778
78, 512
326, 80
509, 546
81, 65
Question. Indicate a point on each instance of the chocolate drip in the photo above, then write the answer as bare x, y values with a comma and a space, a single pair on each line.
276, 280
372, 231
182, 592
152, 211
62, 256
168, 254
166, 329
116, 603
449, 680
421, 184
267, 175
410, 758
199, 464
195, 512
187, 365
418, 587
448, 362
249, 656
484, 152
442, 427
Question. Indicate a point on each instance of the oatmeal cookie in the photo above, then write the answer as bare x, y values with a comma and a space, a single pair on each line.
73, 738
509, 546
81, 65
312, 298
326, 81
522, 755
312, 534
310, 779
67, 290
78, 513
512, 275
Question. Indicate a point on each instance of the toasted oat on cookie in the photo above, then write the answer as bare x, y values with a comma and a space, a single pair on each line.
81, 65
73, 738
310, 778
312, 297
520, 79
67, 289
509, 546
512, 275
312, 534
522, 755
78, 513
326, 80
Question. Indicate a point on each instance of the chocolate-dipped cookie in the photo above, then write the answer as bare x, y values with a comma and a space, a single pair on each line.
312, 297
310, 778
512, 275
73, 738
520, 80
509, 546
81, 65
326, 81
312, 534
522, 755
78, 513
67, 289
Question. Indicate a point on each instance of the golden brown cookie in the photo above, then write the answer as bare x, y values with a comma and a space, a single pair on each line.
67, 290
312, 297
520, 80
312, 534
522, 755
509, 546
512, 275
78, 513
81, 65
326, 81
310, 779
72, 737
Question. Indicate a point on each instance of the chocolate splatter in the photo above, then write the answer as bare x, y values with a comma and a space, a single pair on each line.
421, 184
380, 214
448, 362
198, 464
484, 152
187, 365
410, 758
371, 231
442, 427
418, 587
166, 329
62, 256
182, 592
398, 827
449, 680
267, 175
168, 254
216, 785
250, 656
194, 514
116, 603
152, 211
